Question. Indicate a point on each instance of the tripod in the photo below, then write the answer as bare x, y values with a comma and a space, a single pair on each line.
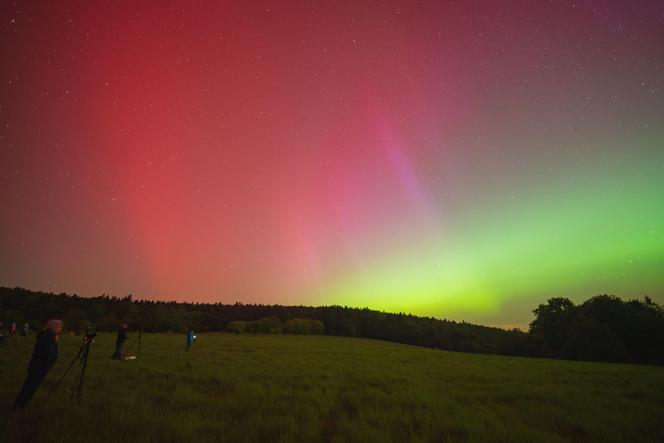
81, 356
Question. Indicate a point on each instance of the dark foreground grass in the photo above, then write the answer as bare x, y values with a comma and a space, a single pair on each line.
295, 388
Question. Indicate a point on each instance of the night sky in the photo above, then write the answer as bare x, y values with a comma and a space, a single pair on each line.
463, 159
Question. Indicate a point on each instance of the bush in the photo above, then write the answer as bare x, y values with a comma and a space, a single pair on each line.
304, 326
269, 325
272, 325
236, 327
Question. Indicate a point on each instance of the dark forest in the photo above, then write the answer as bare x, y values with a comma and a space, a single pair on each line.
602, 328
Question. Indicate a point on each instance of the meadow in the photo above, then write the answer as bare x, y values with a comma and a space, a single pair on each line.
268, 388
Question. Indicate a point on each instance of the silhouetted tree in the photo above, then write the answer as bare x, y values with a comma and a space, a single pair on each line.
552, 322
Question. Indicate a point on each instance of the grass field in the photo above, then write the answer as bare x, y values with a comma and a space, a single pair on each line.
314, 388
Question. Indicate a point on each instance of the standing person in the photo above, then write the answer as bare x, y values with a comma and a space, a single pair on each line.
119, 342
25, 330
43, 358
12, 329
190, 339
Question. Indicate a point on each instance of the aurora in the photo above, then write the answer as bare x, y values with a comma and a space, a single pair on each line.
462, 161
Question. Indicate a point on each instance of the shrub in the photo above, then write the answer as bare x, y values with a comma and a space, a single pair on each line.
236, 327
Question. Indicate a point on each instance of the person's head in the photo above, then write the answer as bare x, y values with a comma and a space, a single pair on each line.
55, 325
123, 326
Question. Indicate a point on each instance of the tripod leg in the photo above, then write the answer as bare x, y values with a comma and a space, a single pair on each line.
65, 374
84, 359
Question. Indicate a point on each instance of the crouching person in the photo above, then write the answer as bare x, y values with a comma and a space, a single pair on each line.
43, 358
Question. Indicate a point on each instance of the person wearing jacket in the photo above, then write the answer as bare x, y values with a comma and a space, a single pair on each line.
43, 358
119, 342
190, 339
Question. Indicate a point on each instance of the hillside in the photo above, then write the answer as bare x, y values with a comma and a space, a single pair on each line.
320, 388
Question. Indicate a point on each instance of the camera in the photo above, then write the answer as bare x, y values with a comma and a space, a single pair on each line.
89, 337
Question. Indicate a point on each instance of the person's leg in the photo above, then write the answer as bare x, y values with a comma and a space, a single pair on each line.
29, 388
116, 354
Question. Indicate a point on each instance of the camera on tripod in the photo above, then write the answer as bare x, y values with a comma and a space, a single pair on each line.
89, 337
82, 357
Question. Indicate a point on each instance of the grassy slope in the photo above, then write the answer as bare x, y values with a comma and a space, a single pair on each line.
284, 388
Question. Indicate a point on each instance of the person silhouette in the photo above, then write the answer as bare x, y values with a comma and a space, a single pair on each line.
119, 342
190, 339
44, 356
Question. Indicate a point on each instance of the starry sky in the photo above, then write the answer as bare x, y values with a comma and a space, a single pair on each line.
455, 159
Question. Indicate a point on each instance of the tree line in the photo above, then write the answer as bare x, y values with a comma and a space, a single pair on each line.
603, 328
274, 325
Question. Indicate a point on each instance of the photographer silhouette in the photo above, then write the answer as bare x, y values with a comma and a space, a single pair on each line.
43, 358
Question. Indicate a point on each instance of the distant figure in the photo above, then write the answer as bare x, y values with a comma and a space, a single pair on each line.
119, 342
190, 339
12, 329
25, 330
43, 358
